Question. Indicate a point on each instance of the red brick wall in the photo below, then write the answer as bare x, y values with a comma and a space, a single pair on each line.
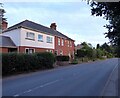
21, 49
3, 50
65, 48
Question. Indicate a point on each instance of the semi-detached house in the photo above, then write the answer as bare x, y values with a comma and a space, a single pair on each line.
30, 37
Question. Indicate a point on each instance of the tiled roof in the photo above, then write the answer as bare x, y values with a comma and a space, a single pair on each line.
34, 26
6, 42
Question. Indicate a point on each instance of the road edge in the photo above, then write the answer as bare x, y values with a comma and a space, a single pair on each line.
111, 84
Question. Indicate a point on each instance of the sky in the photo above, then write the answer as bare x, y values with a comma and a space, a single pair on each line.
73, 19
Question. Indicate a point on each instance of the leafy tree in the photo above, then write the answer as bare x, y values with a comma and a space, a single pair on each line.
2, 11
99, 53
111, 12
85, 51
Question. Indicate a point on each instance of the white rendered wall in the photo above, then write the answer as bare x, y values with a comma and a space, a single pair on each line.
36, 43
14, 35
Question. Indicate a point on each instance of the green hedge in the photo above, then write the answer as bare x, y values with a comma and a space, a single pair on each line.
13, 63
62, 58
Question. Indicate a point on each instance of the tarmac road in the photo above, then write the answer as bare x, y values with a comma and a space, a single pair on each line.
87, 79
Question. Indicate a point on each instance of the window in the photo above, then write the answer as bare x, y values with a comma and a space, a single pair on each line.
59, 41
61, 52
56, 52
51, 51
29, 50
70, 44
40, 37
30, 35
49, 39
47, 50
62, 42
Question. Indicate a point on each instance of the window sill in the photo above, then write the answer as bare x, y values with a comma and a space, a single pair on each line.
49, 42
40, 40
30, 39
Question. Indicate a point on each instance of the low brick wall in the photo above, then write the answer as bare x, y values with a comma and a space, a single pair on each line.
62, 63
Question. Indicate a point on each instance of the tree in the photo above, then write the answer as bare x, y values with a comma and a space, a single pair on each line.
2, 11
98, 46
85, 51
111, 12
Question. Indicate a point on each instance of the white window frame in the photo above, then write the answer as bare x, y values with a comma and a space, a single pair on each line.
51, 51
56, 52
41, 40
58, 41
30, 35
68, 44
49, 39
61, 52
29, 50
62, 43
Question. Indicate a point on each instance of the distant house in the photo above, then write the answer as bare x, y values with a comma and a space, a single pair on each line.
30, 37
79, 46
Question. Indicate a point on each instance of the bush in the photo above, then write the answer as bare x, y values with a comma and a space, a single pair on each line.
75, 61
17, 63
46, 59
62, 58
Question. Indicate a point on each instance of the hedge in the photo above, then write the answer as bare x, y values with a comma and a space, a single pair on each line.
13, 63
62, 58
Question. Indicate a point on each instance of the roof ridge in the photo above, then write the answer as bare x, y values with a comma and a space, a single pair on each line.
36, 26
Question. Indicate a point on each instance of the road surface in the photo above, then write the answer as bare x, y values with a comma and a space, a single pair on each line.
87, 79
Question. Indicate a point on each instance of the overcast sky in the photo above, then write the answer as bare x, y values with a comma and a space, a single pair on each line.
72, 18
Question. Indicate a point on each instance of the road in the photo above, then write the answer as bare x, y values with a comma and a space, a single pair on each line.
87, 79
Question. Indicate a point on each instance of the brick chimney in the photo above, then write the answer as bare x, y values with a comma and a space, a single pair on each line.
53, 26
4, 24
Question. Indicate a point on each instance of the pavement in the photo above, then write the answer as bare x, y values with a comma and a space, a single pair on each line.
88, 79
111, 87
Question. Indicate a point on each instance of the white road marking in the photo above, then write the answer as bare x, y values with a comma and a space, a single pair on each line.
16, 95
27, 91
49, 83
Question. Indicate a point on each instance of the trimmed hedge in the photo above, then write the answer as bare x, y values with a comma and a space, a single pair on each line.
13, 63
62, 58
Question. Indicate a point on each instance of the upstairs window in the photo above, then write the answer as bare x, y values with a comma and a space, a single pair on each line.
40, 37
59, 41
70, 44
30, 35
49, 39
62, 42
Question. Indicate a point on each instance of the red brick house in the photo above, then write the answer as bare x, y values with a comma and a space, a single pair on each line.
30, 37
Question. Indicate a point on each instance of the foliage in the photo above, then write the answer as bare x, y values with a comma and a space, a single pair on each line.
13, 63
75, 61
85, 51
98, 46
111, 12
62, 58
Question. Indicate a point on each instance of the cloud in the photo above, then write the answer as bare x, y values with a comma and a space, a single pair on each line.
73, 19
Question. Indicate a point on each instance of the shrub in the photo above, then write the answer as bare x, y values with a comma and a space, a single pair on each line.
75, 61
17, 63
46, 59
62, 58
